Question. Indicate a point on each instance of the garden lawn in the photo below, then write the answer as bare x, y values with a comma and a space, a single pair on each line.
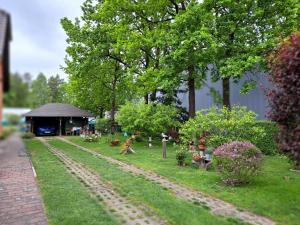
274, 194
139, 190
66, 200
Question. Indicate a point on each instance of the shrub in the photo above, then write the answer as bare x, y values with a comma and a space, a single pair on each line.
91, 138
181, 155
223, 126
284, 99
102, 125
237, 162
28, 135
150, 119
267, 144
13, 119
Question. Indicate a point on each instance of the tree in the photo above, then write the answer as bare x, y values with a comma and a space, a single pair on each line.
246, 31
285, 98
55, 85
39, 91
191, 50
150, 119
18, 93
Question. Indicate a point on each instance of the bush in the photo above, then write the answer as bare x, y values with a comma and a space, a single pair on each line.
13, 119
91, 138
181, 155
223, 126
102, 125
267, 144
28, 135
237, 162
284, 98
150, 119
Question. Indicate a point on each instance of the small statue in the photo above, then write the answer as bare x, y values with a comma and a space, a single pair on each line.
126, 148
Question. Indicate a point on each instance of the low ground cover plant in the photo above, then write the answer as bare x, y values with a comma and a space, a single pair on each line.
28, 135
238, 162
90, 138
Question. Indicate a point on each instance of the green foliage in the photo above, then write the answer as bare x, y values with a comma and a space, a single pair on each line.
181, 156
246, 31
237, 162
28, 135
56, 89
267, 144
223, 125
102, 125
18, 95
13, 119
150, 119
40, 91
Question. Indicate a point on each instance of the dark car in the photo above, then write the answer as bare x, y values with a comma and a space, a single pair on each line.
46, 130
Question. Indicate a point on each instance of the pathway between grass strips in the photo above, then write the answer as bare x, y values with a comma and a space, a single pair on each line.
217, 207
129, 213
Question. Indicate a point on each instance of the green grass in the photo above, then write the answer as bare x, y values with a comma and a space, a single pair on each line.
274, 194
66, 200
138, 189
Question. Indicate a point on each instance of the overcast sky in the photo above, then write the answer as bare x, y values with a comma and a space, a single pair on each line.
38, 39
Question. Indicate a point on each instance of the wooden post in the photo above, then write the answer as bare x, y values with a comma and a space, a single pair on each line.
164, 148
60, 132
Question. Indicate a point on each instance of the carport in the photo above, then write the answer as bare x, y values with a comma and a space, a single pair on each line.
59, 117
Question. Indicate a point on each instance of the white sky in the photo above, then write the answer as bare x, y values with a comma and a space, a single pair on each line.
38, 39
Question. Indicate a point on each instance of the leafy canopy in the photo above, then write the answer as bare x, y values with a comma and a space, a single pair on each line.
150, 119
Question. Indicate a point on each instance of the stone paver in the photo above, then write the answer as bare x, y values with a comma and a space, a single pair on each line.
20, 200
217, 206
128, 213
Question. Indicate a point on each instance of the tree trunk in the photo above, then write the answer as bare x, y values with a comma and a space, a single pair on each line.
153, 96
226, 92
113, 105
146, 99
191, 89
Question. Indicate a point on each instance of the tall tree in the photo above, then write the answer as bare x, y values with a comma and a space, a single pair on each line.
246, 31
39, 91
18, 95
191, 50
94, 59
55, 89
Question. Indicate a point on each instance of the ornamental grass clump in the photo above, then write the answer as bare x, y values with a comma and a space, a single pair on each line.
238, 162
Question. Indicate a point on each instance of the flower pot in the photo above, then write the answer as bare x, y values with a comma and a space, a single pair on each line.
114, 142
201, 147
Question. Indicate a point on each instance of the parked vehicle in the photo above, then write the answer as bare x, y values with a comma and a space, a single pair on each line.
46, 130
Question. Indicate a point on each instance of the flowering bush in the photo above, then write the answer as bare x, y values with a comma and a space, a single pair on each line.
90, 138
237, 162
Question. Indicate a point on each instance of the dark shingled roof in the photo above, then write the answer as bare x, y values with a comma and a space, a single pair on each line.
58, 110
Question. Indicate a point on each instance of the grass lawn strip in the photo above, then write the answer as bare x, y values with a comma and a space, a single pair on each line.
218, 207
63, 195
129, 213
140, 190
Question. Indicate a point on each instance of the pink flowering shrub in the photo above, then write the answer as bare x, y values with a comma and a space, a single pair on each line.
238, 162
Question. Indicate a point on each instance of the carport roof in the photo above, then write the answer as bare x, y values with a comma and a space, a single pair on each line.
58, 110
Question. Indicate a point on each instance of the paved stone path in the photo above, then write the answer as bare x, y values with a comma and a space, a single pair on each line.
217, 207
20, 200
128, 213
